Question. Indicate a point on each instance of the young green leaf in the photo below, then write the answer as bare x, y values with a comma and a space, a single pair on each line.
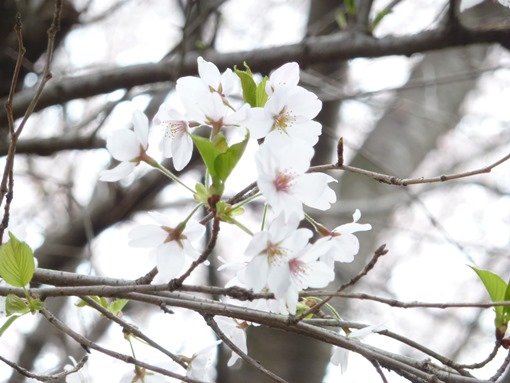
208, 151
15, 305
117, 305
248, 85
261, 94
227, 161
17, 264
496, 287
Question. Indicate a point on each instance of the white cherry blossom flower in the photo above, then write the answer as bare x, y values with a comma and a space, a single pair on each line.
210, 81
287, 115
285, 76
341, 244
176, 141
340, 356
270, 251
303, 271
171, 244
283, 180
235, 331
201, 366
127, 146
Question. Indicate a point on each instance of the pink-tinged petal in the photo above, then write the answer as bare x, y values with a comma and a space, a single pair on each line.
182, 149
141, 127
256, 272
117, 173
147, 236
314, 191
170, 260
123, 145
209, 73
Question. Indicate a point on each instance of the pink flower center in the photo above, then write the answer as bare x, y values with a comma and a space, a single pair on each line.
283, 182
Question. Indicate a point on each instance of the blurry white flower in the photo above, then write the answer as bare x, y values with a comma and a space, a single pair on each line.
287, 115
341, 244
176, 142
201, 365
283, 180
128, 147
269, 251
340, 355
172, 244
285, 76
235, 331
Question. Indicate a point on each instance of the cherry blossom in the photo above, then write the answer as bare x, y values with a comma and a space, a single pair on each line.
235, 331
287, 115
210, 81
171, 244
283, 180
285, 76
176, 141
128, 147
341, 244
303, 271
340, 356
269, 251
201, 366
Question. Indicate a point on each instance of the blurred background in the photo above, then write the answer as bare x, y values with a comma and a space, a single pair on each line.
432, 113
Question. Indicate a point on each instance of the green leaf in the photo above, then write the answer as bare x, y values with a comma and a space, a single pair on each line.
261, 94
496, 287
7, 324
208, 151
16, 262
248, 85
378, 18
15, 305
227, 161
117, 305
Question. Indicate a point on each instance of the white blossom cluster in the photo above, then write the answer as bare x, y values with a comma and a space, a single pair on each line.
280, 259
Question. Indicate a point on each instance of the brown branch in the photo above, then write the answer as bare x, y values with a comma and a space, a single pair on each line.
393, 180
248, 359
88, 344
315, 49
370, 265
45, 378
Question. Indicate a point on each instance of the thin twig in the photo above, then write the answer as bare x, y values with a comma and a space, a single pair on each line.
315, 308
248, 359
88, 344
501, 369
379, 370
393, 180
45, 378
132, 330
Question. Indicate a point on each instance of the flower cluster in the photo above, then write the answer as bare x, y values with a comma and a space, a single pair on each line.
281, 259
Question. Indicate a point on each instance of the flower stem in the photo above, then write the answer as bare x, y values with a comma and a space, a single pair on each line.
150, 161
